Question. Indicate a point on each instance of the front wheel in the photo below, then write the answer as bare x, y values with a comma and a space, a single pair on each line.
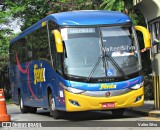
32, 109
53, 112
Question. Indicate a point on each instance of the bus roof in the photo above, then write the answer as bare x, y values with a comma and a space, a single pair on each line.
80, 18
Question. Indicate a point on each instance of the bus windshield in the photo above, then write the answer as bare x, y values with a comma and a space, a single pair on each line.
100, 51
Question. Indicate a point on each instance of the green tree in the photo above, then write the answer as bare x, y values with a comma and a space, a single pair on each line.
125, 6
117, 5
7, 10
36, 10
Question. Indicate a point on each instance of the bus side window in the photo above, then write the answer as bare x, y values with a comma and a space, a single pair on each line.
59, 62
37, 45
52, 26
18, 50
11, 54
28, 48
24, 50
14, 52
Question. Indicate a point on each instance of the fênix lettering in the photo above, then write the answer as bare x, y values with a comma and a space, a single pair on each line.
107, 86
39, 74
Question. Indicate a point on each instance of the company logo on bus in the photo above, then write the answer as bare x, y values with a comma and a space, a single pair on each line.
39, 74
107, 86
108, 94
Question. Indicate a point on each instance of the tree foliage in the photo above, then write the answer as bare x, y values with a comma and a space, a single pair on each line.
125, 6
36, 10
117, 5
7, 10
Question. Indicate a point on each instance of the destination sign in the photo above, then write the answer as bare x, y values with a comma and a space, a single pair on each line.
81, 30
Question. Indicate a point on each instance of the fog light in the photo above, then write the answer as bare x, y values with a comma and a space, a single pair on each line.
138, 98
75, 103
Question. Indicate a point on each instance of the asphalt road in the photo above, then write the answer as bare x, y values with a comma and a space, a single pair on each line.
43, 115
90, 120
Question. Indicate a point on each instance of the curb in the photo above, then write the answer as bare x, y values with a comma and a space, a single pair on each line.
155, 113
152, 113
144, 113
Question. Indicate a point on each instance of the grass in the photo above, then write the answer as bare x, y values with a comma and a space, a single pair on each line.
8, 101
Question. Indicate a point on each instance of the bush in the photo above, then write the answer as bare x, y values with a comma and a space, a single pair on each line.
148, 88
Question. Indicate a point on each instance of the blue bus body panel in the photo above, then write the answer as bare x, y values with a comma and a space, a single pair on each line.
33, 90
76, 18
80, 18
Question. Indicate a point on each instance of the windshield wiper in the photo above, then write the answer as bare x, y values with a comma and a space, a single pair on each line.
94, 68
116, 65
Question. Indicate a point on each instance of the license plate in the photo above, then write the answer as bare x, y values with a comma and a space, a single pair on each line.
108, 105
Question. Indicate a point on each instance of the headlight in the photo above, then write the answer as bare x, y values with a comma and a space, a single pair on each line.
137, 86
74, 90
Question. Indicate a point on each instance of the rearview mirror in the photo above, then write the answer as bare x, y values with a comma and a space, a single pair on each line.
146, 36
58, 41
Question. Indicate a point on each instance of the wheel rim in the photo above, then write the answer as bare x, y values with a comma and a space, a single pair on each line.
52, 104
21, 103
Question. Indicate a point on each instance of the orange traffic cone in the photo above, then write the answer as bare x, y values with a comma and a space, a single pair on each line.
4, 117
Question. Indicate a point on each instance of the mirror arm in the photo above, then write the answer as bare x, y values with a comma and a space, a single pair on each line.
146, 35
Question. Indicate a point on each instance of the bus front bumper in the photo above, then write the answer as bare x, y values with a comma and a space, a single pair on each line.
79, 102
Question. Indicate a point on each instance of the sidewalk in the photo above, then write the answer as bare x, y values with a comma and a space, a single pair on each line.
147, 109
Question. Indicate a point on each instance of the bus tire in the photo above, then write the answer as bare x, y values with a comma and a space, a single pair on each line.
118, 112
24, 109
53, 112
32, 109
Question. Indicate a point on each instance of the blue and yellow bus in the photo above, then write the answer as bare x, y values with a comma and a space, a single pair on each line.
78, 61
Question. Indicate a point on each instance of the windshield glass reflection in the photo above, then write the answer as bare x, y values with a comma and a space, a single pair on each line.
84, 47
